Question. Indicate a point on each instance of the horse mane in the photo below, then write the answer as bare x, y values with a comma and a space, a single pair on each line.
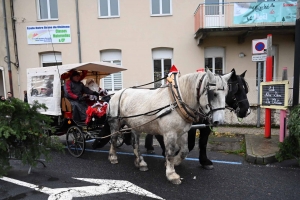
245, 83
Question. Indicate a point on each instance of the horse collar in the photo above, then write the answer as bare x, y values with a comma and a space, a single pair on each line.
187, 113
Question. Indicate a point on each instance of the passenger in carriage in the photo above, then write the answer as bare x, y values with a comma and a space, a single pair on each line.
92, 85
76, 92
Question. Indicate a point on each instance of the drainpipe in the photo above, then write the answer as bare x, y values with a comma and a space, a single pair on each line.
78, 32
7, 49
12, 11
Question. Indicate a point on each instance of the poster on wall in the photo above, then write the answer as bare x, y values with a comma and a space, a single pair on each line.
265, 12
48, 34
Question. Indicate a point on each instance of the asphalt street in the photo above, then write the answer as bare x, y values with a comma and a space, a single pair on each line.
93, 177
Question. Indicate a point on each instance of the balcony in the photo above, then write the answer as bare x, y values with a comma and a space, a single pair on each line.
243, 18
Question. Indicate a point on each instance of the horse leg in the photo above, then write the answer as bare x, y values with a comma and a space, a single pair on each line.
139, 160
191, 138
160, 140
170, 144
183, 149
204, 161
112, 157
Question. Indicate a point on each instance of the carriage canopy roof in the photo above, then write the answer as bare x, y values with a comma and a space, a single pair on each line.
44, 83
103, 68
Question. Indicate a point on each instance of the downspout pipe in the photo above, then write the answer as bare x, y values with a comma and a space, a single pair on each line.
78, 32
7, 49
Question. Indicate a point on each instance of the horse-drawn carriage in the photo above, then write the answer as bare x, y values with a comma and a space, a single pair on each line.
168, 111
45, 85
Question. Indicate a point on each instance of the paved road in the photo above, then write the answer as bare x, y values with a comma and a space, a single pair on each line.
232, 178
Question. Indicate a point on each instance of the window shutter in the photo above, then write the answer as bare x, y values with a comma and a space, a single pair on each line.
117, 81
108, 82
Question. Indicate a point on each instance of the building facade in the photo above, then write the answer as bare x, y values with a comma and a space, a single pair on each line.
146, 37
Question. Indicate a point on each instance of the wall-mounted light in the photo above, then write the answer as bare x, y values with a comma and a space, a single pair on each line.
242, 55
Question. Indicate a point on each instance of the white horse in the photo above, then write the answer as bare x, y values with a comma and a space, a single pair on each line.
131, 107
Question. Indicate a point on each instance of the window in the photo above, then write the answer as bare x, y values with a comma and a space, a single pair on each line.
162, 62
51, 59
109, 8
113, 82
161, 7
214, 59
47, 9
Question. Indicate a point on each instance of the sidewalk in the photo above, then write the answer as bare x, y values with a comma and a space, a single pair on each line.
259, 150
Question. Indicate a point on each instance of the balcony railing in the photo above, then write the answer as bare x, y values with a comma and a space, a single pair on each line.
246, 14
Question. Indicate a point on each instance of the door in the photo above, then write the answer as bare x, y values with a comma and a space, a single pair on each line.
214, 13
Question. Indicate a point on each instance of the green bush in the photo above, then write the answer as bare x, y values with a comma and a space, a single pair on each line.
290, 148
22, 134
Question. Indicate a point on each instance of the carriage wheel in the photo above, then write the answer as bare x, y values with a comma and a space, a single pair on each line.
120, 140
75, 141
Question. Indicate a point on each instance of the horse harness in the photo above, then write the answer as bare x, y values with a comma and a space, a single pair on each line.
187, 113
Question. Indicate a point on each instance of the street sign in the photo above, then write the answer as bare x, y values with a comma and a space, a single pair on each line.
259, 46
261, 57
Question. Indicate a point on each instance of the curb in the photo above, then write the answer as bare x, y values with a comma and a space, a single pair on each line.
258, 159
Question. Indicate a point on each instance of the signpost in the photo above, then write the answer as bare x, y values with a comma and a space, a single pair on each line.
274, 95
259, 49
258, 58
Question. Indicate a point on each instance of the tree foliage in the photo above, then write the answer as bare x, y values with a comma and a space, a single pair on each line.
22, 133
290, 147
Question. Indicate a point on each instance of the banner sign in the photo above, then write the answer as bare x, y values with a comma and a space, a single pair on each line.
259, 12
48, 34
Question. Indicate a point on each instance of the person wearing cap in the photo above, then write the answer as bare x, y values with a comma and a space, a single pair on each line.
76, 92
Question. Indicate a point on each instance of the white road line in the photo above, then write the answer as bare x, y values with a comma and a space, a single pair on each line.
103, 187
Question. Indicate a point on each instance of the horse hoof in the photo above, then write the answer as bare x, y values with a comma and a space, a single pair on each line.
143, 169
114, 162
176, 181
208, 167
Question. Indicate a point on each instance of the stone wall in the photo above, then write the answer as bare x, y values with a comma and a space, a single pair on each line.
251, 120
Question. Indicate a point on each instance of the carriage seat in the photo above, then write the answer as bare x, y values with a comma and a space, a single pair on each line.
66, 107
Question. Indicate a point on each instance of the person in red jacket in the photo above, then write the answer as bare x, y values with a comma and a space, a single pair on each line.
76, 92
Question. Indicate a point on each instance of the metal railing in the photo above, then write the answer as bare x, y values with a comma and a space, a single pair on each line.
222, 16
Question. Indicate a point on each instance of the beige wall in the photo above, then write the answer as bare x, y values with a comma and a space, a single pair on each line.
136, 33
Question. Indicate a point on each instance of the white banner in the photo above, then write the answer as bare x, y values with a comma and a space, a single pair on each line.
48, 34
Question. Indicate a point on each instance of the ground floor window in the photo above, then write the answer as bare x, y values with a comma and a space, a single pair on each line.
112, 82
162, 62
214, 59
50, 59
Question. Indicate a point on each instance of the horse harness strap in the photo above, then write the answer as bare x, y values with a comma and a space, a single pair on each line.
187, 113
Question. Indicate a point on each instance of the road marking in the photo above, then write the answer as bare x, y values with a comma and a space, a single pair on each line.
158, 156
104, 186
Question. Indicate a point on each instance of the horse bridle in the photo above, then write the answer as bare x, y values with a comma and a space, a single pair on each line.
230, 87
210, 96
